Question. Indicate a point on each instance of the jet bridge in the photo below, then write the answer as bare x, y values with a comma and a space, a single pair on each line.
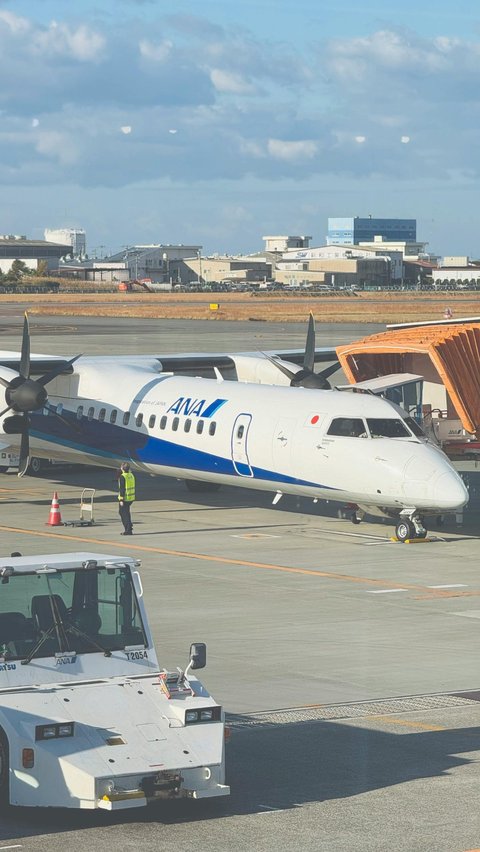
447, 356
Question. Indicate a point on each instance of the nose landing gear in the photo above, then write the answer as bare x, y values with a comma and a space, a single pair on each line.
410, 526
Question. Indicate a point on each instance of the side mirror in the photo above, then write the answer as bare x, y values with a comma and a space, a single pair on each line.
198, 655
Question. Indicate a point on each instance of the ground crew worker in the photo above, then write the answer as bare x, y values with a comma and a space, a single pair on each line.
126, 496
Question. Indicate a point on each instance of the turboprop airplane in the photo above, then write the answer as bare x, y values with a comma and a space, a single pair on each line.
308, 440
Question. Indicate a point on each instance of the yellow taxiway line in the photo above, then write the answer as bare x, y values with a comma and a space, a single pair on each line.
131, 545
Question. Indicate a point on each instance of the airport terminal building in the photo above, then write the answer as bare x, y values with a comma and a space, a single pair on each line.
353, 230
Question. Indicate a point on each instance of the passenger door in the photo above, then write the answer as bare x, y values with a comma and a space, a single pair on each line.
240, 431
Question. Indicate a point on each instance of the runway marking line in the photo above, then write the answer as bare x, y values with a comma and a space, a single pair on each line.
385, 591
406, 723
225, 560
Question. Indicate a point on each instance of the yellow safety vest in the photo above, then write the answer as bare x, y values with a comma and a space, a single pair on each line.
129, 487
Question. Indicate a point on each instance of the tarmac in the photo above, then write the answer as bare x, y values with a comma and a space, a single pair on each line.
347, 663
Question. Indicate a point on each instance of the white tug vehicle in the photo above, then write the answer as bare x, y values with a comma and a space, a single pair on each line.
88, 719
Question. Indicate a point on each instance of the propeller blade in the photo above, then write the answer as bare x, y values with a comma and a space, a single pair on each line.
286, 372
25, 356
24, 454
309, 357
48, 377
328, 371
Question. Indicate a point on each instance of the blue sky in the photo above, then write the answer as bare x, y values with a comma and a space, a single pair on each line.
220, 122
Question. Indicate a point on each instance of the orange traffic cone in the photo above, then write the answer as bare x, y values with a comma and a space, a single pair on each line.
55, 518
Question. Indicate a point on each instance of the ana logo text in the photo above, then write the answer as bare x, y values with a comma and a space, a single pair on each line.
195, 407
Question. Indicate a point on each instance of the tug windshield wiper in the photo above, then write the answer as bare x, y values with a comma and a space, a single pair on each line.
62, 629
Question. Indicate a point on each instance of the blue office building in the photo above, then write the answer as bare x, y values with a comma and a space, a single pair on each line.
353, 230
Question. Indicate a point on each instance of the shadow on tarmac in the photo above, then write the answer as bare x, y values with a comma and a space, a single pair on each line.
228, 497
282, 766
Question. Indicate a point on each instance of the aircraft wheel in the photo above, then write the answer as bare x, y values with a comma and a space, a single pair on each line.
405, 530
355, 519
35, 466
4, 769
195, 486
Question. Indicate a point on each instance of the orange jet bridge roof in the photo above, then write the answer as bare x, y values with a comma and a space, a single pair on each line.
454, 351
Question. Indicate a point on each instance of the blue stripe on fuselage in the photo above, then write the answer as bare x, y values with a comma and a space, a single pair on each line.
107, 440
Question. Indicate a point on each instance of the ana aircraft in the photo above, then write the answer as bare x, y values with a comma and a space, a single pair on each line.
301, 438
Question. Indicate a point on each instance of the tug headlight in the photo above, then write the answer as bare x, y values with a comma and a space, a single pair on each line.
53, 732
206, 714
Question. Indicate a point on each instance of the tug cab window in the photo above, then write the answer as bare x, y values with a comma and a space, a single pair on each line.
382, 427
348, 427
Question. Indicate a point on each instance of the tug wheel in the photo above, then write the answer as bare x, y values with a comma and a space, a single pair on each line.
4, 770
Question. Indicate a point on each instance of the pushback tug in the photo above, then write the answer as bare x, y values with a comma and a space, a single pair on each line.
88, 719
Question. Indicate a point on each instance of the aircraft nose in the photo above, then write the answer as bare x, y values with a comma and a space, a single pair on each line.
449, 491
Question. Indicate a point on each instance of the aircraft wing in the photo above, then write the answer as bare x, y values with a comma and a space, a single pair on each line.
185, 364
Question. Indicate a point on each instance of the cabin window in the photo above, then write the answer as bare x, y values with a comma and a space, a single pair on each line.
113, 415
187, 425
383, 427
101, 414
151, 421
163, 422
139, 420
79, 412
126, 418
91, 413
240, 431
347, 427
212, 428
175, 422
200, 427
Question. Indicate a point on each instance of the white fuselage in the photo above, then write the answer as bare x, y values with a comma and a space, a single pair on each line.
257, 436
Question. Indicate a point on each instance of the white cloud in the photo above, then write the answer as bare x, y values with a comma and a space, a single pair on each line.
360, 139
405, 140
56, 145
230, 82
35, 122
284, 150
126, 129
16, 25
82, 43
155, 52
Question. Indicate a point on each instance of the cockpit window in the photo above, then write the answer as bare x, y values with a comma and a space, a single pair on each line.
347, 427
416, 429
387, 428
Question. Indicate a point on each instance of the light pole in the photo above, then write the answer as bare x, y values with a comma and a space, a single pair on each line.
166, 267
